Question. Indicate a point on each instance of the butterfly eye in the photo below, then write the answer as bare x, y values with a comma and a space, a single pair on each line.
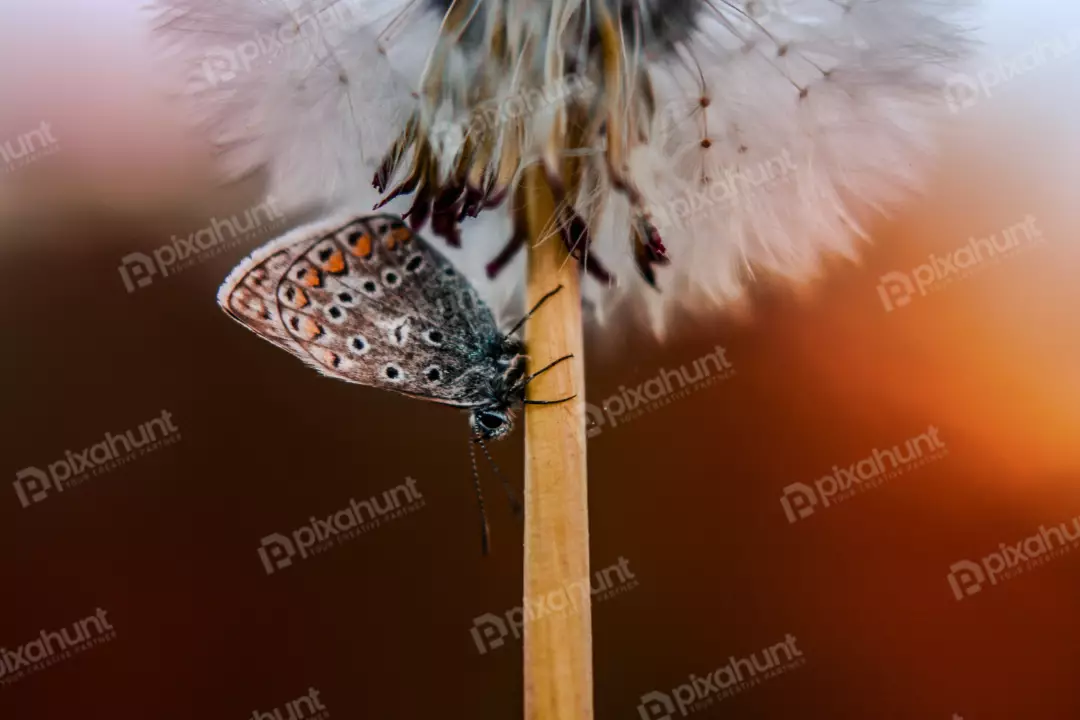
433, 337
393, 373
358, 345
491, 421
491, 425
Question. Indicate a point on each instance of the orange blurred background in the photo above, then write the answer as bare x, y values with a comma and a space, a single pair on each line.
689, 492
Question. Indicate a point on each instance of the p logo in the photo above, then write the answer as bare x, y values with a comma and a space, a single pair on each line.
656, 706
895, 290
220, 66
961, 92
966, 578
594, 419
136, 270
798, 501
31, 485
488, 632
276, 553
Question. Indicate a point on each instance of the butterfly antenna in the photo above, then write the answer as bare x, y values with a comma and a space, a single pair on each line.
484, 544
511, 494
534, 309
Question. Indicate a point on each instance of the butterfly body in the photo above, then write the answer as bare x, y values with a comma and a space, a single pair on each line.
366, 300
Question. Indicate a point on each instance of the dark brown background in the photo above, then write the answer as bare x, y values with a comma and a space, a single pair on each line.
688, 494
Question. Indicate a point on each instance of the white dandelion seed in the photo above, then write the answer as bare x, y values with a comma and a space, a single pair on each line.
691, 142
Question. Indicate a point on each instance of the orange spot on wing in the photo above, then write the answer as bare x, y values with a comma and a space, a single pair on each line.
293, 296
398, 236
362, 248
330, 358
309, 329
311, 278
335, 264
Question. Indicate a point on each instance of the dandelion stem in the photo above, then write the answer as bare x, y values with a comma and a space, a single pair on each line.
558, 648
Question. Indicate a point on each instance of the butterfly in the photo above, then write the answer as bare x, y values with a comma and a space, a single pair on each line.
366, 300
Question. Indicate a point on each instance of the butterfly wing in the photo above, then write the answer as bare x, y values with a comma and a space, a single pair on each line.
365, 300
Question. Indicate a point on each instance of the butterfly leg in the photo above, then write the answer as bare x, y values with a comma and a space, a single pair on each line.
534, 309
549, 402
543, 370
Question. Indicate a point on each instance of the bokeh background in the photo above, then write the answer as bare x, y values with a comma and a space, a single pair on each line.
687, 493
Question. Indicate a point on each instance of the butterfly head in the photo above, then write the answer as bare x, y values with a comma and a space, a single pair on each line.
491, 423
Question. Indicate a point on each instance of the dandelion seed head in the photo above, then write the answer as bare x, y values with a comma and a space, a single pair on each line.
691, 143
